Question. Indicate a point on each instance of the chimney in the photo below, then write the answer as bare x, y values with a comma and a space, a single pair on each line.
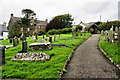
32, 18
11, 15
80, 22
46, 20
4, 23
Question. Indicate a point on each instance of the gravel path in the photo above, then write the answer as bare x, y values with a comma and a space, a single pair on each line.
88, 62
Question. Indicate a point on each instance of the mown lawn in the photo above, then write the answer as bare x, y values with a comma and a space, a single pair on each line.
39, 69
112, 50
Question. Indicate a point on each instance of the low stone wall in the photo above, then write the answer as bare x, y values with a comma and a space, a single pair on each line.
40, 46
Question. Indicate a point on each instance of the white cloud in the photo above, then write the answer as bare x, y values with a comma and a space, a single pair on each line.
82, 10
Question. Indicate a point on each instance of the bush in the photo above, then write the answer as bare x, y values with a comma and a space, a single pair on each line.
87, 28
59, 31
78, 27
41, 33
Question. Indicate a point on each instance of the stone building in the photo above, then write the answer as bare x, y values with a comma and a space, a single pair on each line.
40, 26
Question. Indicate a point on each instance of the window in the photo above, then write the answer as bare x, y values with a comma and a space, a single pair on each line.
39, 27
21, 29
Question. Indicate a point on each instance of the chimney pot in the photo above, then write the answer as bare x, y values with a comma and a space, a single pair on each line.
11, 14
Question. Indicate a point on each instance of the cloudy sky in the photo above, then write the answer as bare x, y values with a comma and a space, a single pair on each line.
81, 10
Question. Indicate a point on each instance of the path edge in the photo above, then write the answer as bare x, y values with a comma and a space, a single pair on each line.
105, 55
70, 57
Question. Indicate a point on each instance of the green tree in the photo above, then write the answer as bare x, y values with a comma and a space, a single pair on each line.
28, 13
78, 27
59, 22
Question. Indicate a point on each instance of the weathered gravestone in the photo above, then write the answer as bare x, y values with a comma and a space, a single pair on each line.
80, 34
33, 38
106, 36
24, 46
58, 36
102, 33
29, 37
10, 40
111, 36
15, 41
54, 38
2, 55
23, 37
72, 33
50, 39
116, 29
43, 37
118, 38
43, 41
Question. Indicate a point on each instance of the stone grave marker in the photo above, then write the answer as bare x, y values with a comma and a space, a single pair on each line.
118, 38
43, 41
102, 32
10, 40
50, 39
80, 34
116, 29
54, 38
43, 37
111, 36
23, 37
33, 38
24, 46
29, 37
2, 55
106, 36
58, 36
15, 41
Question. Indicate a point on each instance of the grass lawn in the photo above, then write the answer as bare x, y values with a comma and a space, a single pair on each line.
40, 69
112, 50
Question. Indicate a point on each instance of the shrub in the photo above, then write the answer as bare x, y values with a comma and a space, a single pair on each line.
87, 28
41, 33
78, 27
59, 31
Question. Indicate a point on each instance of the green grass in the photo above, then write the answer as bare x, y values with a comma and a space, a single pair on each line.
112, 50
40, 69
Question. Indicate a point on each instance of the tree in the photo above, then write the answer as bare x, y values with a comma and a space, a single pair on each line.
78, 27
59, 22
28, 13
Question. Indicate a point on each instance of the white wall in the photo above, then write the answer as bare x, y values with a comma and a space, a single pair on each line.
5, 35
83, 27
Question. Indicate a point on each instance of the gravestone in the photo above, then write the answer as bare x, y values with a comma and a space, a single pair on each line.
111, 36
106, 36
15, 41
29, 37
76, 34
23, 37
2, 55
118, 38
102, 32
58, 36
116, 29
10, 40
54, 38
43, 41
72, 33
43, 37
24, 46
33, 38
50, 39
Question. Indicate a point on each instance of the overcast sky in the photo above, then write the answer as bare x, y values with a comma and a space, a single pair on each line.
81, 10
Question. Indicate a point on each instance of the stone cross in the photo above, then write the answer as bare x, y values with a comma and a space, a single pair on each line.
102, 32
58, 36
111, 36
106, 36
54, 38
15, 42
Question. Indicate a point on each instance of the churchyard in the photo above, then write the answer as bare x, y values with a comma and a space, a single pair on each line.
40, 68
110, 43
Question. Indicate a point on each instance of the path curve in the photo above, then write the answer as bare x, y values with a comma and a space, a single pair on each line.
88, 62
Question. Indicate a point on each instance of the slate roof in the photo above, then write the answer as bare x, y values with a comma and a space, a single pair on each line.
88, 24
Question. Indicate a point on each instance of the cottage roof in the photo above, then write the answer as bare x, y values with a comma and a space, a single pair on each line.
88, 24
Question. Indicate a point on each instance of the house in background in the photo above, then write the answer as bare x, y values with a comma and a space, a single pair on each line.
40, 26
93, 26
3, 31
